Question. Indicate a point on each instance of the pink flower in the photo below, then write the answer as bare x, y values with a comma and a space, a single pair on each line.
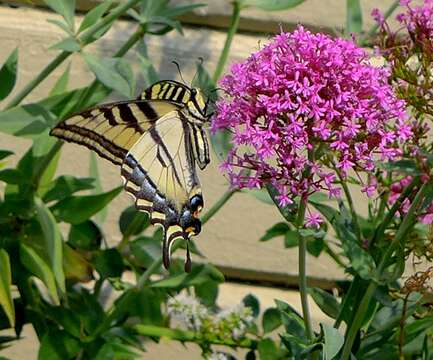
313, 220
301, 93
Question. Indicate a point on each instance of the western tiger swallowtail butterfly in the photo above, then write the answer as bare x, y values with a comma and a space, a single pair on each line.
157, 140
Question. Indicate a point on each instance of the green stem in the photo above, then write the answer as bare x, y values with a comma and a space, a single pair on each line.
351, 205
234, 23
190, 336
302, 257
144, 278
395, 207
84, 39
405, 226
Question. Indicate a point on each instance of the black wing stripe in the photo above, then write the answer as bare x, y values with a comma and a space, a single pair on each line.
147, 110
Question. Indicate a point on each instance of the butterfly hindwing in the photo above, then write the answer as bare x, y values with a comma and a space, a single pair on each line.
157, 140
159, 172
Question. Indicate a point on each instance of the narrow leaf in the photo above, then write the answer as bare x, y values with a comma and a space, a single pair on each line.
94, 173
53, 239
8, 74
77, 209
354, 17
107, 73
27, 120
5, 287
39, 268
273, 5
278, 229
66, 8
94, 15
333, 341
69, 44
61, 84
325, 301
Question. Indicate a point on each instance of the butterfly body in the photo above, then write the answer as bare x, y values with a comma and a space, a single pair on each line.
157, 139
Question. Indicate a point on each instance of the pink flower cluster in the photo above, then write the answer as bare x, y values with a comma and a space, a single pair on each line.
304, 110
418, 20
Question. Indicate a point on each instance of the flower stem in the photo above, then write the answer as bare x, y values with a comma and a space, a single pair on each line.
234, 22
302, 257
84, 38
405, 226
144, 278
190, 336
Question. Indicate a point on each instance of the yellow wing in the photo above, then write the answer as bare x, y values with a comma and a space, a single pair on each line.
112, 129
159, 172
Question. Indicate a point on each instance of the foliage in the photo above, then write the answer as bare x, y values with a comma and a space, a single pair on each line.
53, 249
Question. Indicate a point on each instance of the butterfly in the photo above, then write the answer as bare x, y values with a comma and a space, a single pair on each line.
157, 140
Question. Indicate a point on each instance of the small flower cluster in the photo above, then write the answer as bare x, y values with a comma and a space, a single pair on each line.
418, 21
305, 109
188, 313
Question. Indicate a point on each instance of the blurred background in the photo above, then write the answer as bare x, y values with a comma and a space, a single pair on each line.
230, 240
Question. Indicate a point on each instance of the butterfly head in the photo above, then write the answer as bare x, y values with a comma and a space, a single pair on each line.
198, 106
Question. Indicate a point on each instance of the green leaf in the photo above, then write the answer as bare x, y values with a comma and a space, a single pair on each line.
77, 209
333, 341
53, 241
325, 301
5, 153
39, 268
66, 8
221, 143
267, 350
8, 74
58, 345
133, 222
291, 239
94, 173
207, 293
405, 166
271, 320
85, 236
199, 275
76, 266
146, 250
62, 25
315, 246
69, 44
291, 320
106, 71
5, 287
94, 15
109, 263
278, 229
26, 120
289, 212
64, 186
147, 69
253, 303
273, 5
353, 17
361, 261
61, 84
13, 176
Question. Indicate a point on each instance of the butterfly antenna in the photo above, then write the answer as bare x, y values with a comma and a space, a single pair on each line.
178, 70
